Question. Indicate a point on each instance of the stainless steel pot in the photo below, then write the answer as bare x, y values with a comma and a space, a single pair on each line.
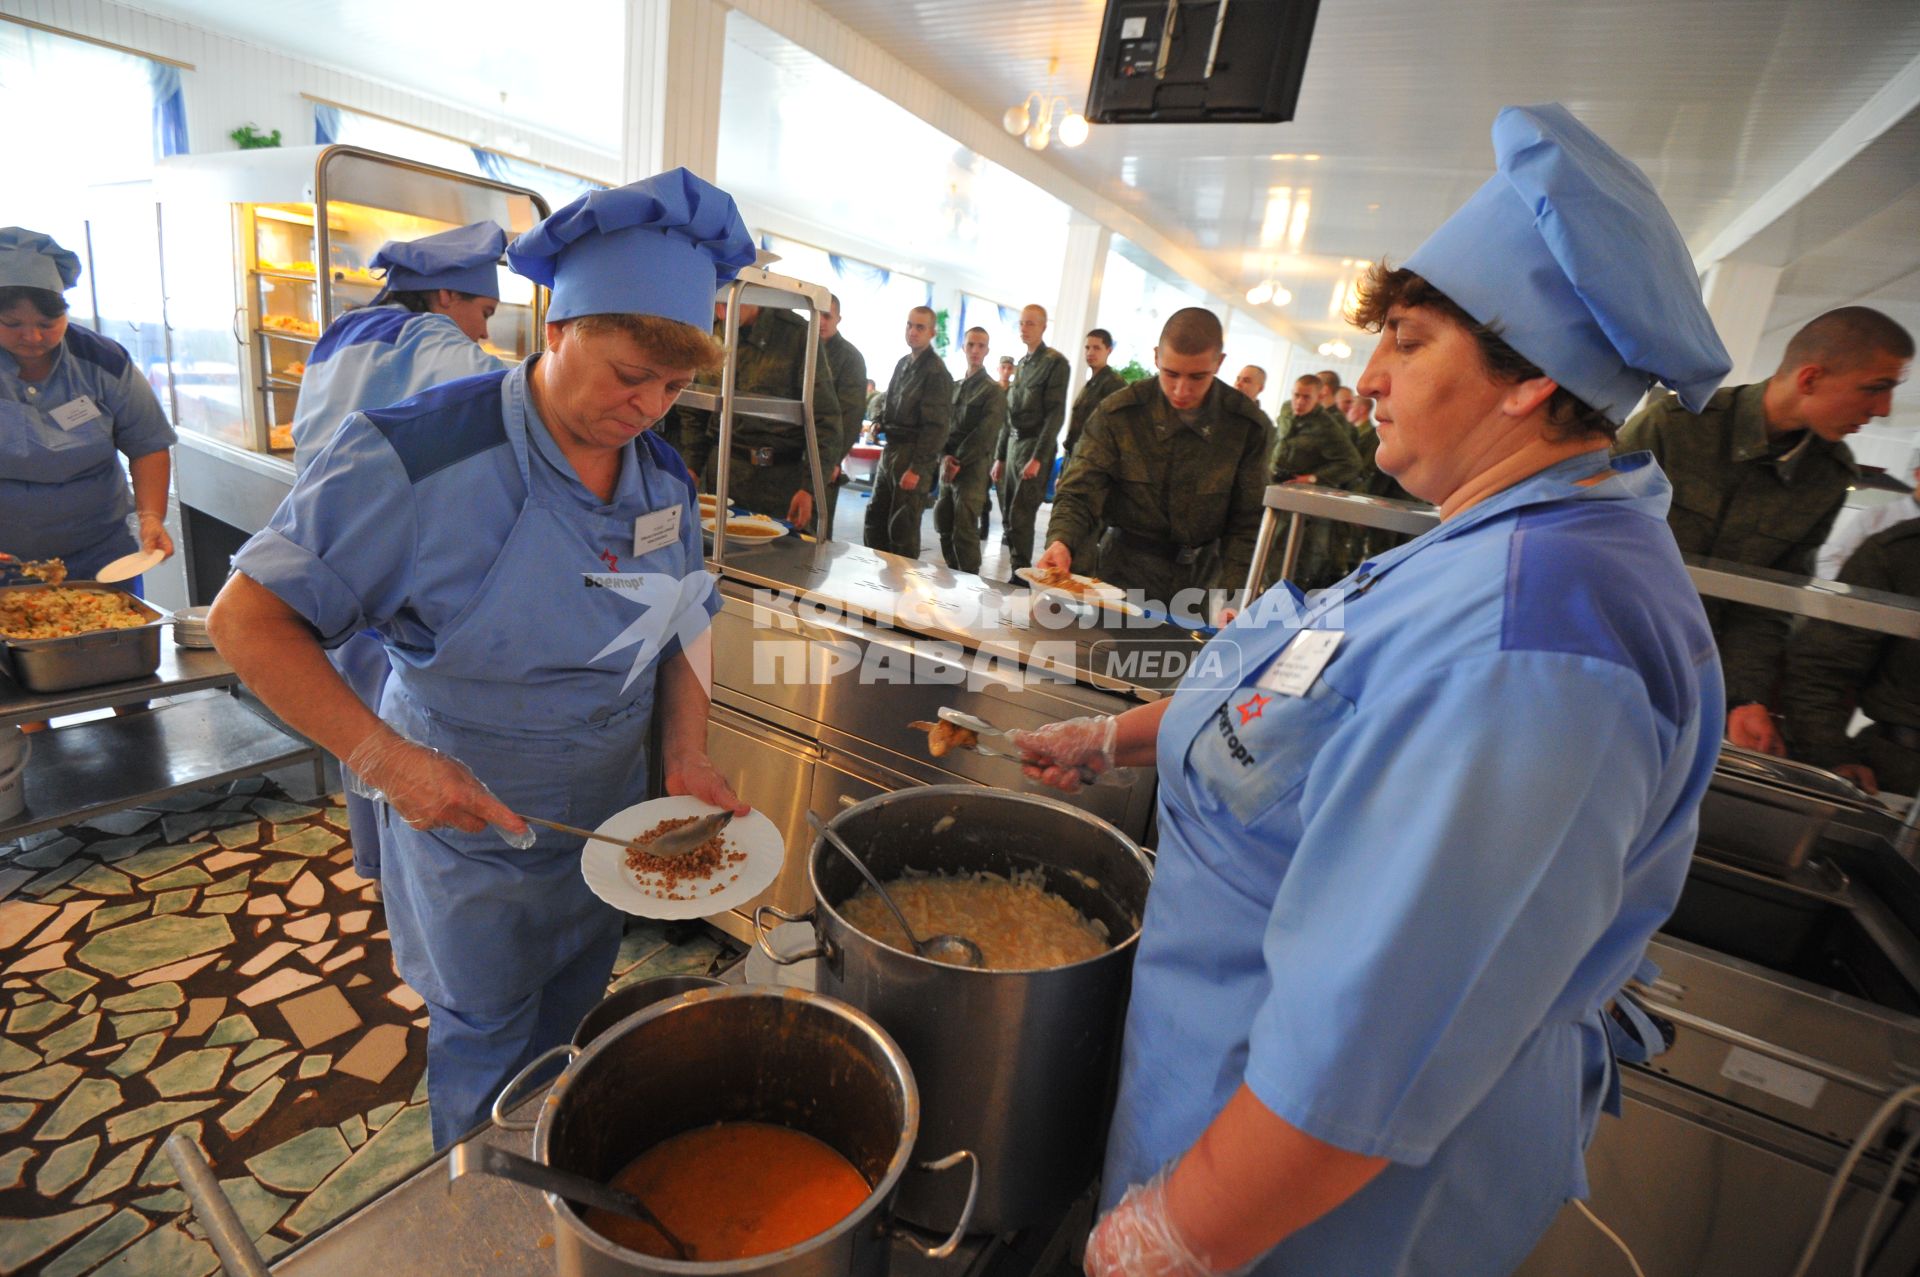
1016, 1065
787, 1056
638, 996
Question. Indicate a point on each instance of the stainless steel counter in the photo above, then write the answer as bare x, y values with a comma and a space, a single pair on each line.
1138, 657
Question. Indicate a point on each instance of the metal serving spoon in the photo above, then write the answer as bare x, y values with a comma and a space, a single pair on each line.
951, 950
668, 846
475, 1158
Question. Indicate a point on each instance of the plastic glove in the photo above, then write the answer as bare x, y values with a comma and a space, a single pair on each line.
429, 790
1137, 1238
1068, 754
153, 533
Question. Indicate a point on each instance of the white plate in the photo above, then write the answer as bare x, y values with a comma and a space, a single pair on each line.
1092, 591
604, 865
763, 528
128, 566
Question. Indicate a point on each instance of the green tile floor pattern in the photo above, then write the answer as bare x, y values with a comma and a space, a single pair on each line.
143, 959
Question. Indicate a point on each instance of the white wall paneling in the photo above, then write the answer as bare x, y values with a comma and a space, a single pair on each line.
235, 82
1739, 296
1082, 271
675, 56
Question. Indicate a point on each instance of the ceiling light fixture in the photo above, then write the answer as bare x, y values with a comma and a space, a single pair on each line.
1268, 290
1336, 350
1034, 122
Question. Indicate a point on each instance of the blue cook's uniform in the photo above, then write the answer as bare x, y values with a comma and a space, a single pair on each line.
525, 620
1395, 906
63, 491
453, 526
376, 356
1398, 884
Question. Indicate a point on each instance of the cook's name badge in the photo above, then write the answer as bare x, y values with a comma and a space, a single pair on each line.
656, 531
1300, 662
75, 413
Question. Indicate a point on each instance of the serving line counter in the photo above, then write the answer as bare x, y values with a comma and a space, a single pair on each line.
1789, 992
825, 653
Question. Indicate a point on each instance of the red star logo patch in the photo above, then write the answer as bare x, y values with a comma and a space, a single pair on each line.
1252, 707
606, 557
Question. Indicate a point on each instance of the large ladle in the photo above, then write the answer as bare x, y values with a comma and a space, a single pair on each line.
473, 1157
951, 950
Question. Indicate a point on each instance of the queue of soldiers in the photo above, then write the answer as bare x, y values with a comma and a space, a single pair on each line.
1161, 489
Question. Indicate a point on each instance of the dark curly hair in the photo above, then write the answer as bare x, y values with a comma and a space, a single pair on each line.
1569, 418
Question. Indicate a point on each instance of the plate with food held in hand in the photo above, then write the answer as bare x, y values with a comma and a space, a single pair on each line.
1079, 589
748, 527
729, 869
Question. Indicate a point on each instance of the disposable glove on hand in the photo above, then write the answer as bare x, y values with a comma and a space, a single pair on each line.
1068, 754
429, 790
1137, 1238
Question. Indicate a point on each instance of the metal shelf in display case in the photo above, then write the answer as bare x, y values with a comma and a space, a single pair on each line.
266, 248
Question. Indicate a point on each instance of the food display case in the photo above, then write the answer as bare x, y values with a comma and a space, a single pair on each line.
261, 251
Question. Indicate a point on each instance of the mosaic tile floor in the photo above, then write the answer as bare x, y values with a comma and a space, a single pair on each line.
210, 963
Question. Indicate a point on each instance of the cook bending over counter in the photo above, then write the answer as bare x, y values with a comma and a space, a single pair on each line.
468, 526
1413, 848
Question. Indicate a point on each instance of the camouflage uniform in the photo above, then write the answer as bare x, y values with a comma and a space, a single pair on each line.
1036, 409
1099, 386
1831, 668
979, 415
918, 406
1175, 505
849, 370
769, 457
1320, 444
1744, 498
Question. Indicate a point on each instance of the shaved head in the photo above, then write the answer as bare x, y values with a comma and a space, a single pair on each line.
1844, 338
1193, 331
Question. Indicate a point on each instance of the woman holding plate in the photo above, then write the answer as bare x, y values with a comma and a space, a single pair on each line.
468, 527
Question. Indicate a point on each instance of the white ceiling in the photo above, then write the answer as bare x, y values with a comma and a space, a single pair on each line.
1718, 100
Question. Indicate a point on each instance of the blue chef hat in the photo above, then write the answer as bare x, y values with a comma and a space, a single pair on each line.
1570, 256
465, 259
29, 259
657, 247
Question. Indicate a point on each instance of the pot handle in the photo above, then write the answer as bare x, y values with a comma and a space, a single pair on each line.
507, 1100
762, 928
960, 1229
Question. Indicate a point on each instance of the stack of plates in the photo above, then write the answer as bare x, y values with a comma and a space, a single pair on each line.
190, 627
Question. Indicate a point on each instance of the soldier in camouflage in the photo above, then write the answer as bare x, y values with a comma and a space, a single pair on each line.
1317, 448
770, 474
1759, 476
1036, 410
979, 415
1251, 381
914, 418
1831, 668
1102, 381
849, 368
1168, 476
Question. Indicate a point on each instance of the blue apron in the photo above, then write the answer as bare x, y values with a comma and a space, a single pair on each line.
478, 925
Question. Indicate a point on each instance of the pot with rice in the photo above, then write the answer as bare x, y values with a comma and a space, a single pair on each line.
1015, 1060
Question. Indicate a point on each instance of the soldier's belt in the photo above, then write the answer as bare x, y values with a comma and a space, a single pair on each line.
768, 456
1901, 735
1183, 555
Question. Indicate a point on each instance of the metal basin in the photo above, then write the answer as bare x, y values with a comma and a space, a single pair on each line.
785, 1056
1016, 1065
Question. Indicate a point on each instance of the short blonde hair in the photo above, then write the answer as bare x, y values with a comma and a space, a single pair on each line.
673, 343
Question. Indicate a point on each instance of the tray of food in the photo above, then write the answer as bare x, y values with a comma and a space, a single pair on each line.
54, 638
